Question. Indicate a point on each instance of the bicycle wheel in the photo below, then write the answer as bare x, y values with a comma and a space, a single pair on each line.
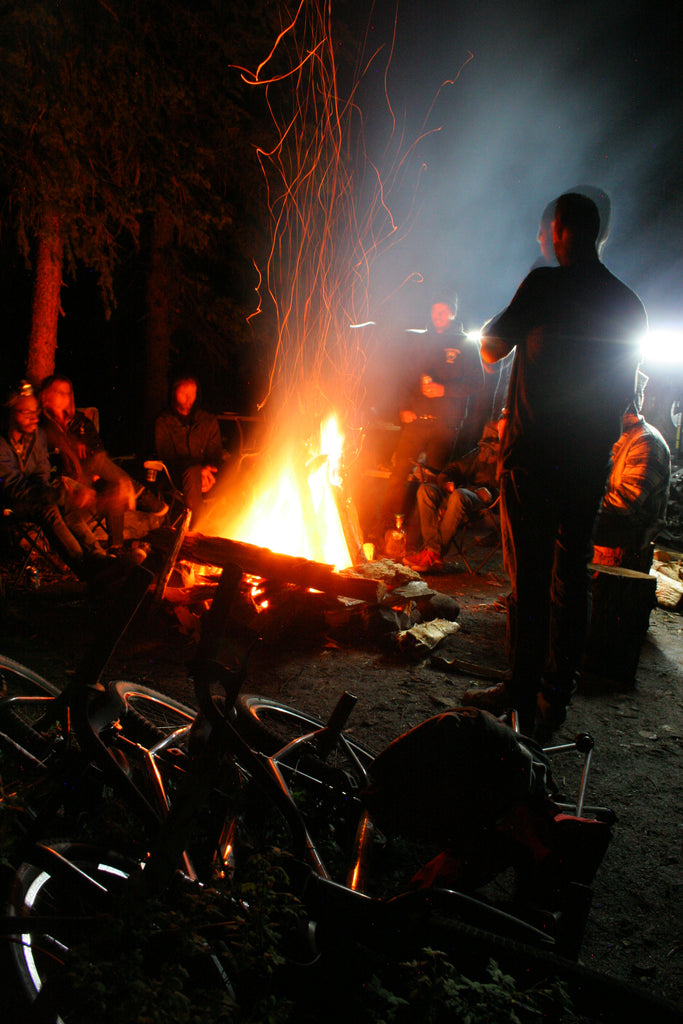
77, 930
18, 680
64, 887
325, 789
149, 717
269, 726
25, 697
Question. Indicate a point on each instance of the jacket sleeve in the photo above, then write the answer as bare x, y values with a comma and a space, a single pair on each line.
17, 485
14, 483
501, 334
639, 480
467, 374
459, 472
163, 440
213, 449
84, 430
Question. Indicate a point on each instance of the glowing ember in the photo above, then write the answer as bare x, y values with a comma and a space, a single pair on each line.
296, 511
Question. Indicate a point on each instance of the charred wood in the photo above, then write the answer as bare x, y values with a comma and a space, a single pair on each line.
263, 562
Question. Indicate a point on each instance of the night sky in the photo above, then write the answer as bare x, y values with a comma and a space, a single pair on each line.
555, 94
546, 95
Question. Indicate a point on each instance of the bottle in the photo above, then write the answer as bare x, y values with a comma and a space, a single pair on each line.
395, 541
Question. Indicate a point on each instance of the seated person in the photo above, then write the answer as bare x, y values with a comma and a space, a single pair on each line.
101, 485
634, 507
434, 406
463, 489
188, 440
26, 488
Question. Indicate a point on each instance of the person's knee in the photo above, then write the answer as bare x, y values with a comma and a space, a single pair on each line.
46, 510
458, 503
429, 496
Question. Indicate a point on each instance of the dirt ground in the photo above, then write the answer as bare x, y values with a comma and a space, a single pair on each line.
635, 929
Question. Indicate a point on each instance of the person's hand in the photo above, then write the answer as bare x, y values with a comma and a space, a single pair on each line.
82, 496
430, 389
407, 416
208, 477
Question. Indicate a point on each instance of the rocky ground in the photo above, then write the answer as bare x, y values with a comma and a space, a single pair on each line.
636, 925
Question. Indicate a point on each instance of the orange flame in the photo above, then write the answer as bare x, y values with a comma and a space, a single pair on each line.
295, 512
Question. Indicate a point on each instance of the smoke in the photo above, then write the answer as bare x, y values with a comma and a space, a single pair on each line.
554, 94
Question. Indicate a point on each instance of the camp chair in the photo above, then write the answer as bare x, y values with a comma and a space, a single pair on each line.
466, 539
29, 539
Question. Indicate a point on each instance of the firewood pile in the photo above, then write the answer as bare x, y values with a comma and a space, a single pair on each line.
668, 566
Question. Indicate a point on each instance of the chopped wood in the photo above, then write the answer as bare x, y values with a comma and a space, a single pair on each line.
669, 592
426, 635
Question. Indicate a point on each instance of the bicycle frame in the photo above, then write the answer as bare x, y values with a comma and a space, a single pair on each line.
214, 742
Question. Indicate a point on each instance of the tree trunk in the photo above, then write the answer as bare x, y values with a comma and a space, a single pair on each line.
160, 295
46, 305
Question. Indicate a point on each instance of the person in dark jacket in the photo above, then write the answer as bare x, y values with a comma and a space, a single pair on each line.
577, 332
81, 457
27, 489
451, 498
634, 507
188, 440
445, 376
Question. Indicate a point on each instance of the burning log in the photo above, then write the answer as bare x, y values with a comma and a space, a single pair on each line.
267, 564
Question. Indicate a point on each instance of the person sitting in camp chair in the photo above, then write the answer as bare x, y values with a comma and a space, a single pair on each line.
634, 507
96, 481
456, 496
27, 488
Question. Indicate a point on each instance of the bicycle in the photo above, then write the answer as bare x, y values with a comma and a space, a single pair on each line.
312, 774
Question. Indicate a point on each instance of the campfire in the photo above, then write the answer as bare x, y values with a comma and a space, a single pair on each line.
298, 503
299, 545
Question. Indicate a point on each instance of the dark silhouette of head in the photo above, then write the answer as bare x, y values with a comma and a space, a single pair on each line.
575, 228
545, 227
604, 205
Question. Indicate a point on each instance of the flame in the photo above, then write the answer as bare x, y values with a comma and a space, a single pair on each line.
296, 511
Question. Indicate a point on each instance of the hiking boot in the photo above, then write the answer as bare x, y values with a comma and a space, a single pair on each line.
549, 718
149, 502
426, 561
498, 701
495, 699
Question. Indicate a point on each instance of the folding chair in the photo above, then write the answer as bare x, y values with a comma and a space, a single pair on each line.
28, 538
465, 541
158, 477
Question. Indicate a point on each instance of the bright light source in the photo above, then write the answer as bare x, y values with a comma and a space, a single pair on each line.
474, 335
663, 346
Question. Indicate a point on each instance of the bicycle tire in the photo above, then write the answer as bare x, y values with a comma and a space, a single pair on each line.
67, 887
25, 697
18, 680
269, 724
148, 716
37, 958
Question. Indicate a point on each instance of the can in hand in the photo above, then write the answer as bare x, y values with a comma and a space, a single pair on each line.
33, 577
